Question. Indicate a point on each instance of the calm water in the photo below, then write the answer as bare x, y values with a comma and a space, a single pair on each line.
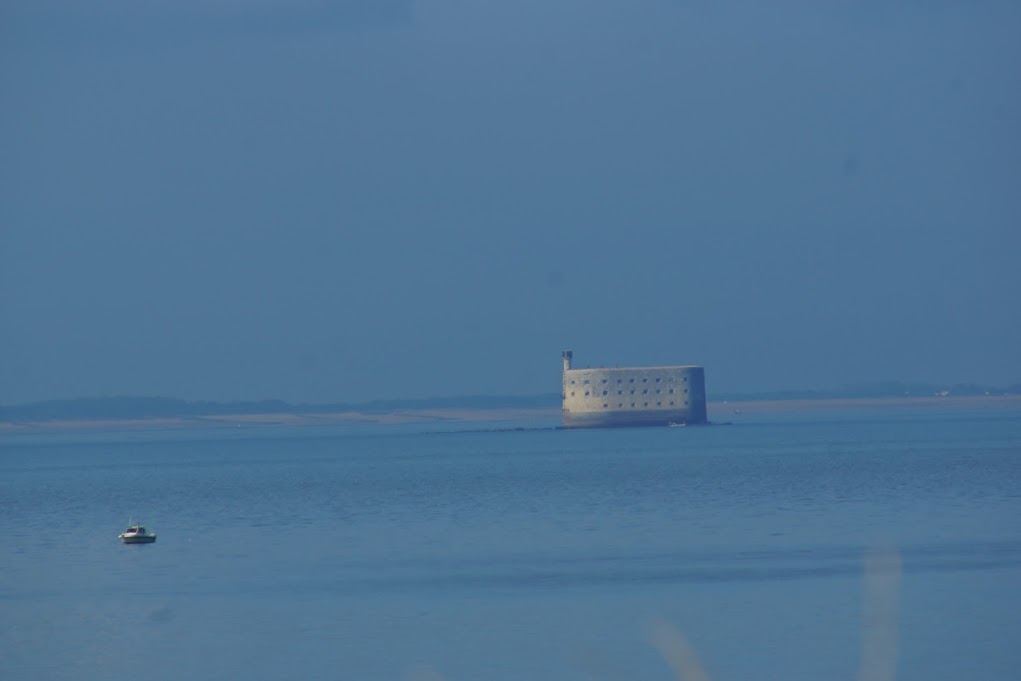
369, 553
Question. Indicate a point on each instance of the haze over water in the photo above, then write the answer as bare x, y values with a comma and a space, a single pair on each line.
345, 200
335, 201
393, 553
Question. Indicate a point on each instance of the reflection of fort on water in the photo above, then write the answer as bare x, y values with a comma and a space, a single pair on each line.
633, 396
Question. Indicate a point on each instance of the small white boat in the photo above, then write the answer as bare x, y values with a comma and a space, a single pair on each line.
136, 534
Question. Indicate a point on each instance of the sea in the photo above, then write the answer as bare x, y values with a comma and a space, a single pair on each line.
867, 545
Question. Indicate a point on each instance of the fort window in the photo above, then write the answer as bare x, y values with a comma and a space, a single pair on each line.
586, 381
645, 392
659, 404
658, 380
620, 404
620, 392
685, 379
632, 392
658, 391
605, 405
604, 392
586, 393
604, 380
685, 391
671, 404
645, 380
631, 380
632, 404
646, 404
572, 393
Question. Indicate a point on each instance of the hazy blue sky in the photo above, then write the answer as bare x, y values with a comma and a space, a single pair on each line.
336, 201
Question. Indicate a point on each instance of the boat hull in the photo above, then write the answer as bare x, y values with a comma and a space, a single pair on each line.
144, 539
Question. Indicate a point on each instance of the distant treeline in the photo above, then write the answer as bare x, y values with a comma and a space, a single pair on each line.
876, 389
96, 408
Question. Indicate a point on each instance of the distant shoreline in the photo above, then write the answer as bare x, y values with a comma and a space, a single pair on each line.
794, 406
719, 411
285, 419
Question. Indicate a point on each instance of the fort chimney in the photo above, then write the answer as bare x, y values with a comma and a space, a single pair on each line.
567, 359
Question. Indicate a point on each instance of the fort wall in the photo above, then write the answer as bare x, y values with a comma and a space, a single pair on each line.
632, 396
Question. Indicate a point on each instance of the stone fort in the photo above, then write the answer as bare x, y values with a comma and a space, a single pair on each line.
632, 396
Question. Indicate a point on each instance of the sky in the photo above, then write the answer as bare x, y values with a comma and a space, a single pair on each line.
366, 199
